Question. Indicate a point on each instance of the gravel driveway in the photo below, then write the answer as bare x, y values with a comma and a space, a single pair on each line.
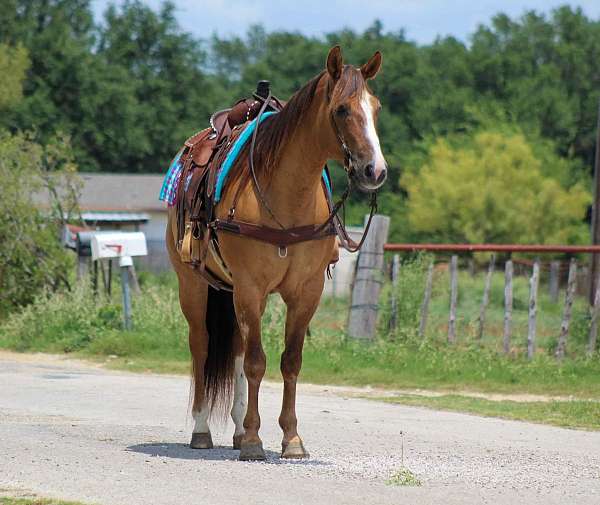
76, 431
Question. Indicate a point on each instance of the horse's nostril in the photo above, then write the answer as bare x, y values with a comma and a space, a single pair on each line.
369, 170
381, 177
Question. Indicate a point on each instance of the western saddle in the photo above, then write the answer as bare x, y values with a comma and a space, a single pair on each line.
201, 158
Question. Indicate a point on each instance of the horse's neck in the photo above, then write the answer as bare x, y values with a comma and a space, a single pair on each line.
295, 187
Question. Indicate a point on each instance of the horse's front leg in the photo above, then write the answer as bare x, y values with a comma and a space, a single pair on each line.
249, 306
299, 313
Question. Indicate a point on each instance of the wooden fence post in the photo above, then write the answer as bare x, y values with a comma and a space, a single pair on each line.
486, 295
453, 299
533, 291
362, 320
426, 298
471, 267
594, 323
508, 305
394, 299
564, 327
554, 280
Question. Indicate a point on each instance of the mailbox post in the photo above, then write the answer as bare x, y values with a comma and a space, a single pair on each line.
125, 262
122, 245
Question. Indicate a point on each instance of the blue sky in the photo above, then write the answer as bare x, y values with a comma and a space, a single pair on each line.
422, 20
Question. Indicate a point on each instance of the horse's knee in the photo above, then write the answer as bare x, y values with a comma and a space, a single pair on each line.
291, 362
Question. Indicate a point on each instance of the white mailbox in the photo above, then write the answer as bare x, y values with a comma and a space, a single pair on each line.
118, 244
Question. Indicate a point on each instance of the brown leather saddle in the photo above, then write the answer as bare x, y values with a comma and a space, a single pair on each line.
201, 157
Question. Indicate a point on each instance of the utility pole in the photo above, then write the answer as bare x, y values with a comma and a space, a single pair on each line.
595, 260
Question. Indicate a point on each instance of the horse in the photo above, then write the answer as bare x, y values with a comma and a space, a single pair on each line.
333, 116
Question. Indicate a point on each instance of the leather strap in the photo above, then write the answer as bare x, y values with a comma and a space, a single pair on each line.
276, 236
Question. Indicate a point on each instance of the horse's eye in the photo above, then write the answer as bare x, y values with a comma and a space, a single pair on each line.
342, 111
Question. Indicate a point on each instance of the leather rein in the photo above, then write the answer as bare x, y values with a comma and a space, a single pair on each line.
282, 237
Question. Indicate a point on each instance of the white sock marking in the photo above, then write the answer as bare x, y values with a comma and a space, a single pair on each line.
240, 396
201, 420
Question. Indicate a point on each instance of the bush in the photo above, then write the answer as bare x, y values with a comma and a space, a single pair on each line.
32, 258
496, 187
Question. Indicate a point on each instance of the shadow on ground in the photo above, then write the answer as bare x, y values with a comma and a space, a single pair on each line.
218, 453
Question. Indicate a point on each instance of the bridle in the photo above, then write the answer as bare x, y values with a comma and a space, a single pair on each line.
334, 208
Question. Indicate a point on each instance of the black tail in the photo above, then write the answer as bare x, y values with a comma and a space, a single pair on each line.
219, 366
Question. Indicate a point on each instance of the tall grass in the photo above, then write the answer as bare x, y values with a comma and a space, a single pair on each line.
78, 322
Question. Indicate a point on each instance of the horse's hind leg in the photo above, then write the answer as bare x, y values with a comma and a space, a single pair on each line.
193, 292
193, 299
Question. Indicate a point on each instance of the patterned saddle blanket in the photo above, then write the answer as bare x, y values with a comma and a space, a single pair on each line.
168, 192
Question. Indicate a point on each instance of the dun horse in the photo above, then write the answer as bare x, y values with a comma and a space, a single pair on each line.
332, 117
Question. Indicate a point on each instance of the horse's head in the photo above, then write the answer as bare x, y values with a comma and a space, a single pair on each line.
353, 110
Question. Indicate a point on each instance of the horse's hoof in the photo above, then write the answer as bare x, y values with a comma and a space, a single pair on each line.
237, 441
252, 451
294, 450
201, 441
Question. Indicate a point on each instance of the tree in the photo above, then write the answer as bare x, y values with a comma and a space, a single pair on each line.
160, 93
494, 189
32, 257
13, 65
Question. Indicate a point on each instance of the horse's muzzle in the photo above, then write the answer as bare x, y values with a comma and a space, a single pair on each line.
369, 177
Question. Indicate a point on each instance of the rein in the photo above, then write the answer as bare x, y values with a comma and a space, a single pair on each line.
283, 236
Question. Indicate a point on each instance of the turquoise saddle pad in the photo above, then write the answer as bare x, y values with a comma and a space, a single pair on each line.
171, 181
235, 151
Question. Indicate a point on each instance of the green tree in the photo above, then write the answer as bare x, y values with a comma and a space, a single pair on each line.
32, 257
13, 65
159, 95
494, 189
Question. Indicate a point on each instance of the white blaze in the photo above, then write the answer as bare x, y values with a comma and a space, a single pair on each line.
371, 133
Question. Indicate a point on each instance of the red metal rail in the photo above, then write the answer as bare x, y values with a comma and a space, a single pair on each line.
534, 248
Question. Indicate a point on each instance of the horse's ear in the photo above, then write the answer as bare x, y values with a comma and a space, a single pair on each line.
335, 62
371, 67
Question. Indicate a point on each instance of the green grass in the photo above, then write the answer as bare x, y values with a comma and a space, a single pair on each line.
403, 477
34, 501
76, 322
568, 414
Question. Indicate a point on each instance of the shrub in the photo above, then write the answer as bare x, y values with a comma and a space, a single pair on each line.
32, 258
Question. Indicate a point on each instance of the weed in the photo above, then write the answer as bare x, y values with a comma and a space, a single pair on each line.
403, 477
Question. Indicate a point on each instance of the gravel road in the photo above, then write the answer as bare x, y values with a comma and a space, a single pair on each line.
76, 431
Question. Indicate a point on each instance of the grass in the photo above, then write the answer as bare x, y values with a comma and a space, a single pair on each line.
75, 322
403, 477
34, 501
567, 414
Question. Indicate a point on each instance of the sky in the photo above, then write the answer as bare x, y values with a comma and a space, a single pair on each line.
422, 20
